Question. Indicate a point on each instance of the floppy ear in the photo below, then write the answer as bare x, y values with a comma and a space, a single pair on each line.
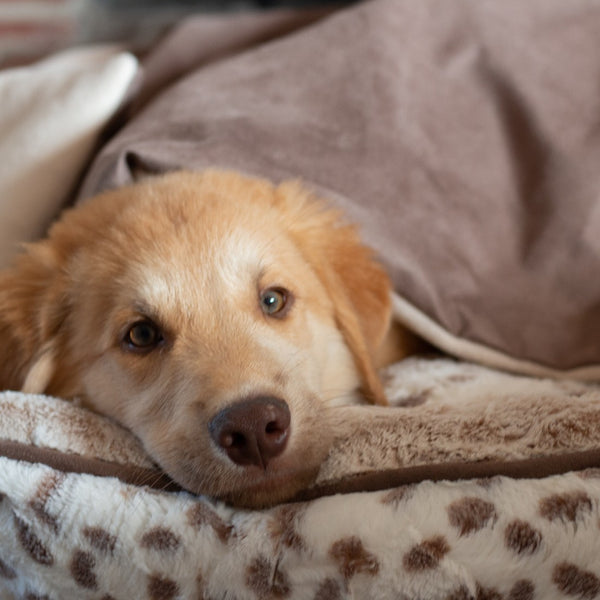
31, 311
356, 283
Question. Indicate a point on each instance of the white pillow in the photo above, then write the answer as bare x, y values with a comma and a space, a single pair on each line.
50, 116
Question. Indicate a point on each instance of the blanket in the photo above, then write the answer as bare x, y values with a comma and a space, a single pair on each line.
52, 115
461, 136
523, 526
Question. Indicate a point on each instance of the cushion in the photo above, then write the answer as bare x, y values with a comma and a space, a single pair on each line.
52, 114
475, 484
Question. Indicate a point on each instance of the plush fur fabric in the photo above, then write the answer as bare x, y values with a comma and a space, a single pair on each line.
446, 411
76, 535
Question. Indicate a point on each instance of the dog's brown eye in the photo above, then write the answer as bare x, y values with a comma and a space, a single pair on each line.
143, 335
273, 301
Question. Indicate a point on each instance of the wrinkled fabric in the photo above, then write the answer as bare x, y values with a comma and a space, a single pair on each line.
463, 136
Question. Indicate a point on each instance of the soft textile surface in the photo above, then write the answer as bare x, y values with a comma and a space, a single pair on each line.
67, 535
462, 136
51, 114
466, 142
449, 420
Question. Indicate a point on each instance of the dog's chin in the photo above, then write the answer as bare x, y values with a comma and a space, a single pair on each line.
266, 489
246, 487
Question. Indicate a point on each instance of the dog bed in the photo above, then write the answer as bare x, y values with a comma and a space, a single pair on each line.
514, 512
463, 138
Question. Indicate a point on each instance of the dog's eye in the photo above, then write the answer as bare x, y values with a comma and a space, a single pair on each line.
143, 335
273, 301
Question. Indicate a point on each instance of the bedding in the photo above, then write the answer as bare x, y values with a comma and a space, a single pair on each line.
52, 113
84, 514
462, 136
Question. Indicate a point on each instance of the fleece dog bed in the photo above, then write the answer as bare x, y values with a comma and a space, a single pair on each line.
523, 525
462, 136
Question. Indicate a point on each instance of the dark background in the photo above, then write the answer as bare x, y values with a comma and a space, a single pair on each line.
31, 29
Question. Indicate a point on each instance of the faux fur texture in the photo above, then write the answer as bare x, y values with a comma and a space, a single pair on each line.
69, 535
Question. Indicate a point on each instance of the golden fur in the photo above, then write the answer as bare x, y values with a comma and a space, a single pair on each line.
191, 252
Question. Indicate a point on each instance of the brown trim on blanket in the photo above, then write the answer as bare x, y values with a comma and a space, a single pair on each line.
75, 463
529, 468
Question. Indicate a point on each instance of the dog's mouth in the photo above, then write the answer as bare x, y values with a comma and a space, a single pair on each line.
262, 488
252, 455
248, 486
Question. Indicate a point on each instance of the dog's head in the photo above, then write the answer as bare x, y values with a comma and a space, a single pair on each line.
218, 317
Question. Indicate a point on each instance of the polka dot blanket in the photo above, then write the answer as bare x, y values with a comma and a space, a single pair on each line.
474, 484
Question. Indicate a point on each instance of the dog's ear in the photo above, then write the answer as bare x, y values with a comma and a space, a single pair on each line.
356, 283
31, 311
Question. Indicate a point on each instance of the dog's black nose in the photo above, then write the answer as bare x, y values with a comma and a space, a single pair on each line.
252, 431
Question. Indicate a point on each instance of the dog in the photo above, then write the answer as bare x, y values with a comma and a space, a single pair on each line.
219, 317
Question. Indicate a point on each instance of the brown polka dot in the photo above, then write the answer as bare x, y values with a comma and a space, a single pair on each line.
6, 572
487, 482
265, 581
34, 596
201, 515
44, 491
573, 581
471, 514
82, 569
566, 507
107, 597
426, 555
398, 495
160, 538
484, 593
283, 527
522, 590
461, 593
352, 557
201, 591
592, 473
328, 590
484, 482
161, 588
100, 539
32, 544
521, 537
460, 378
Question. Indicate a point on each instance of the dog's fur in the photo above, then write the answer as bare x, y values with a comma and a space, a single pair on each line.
192, 253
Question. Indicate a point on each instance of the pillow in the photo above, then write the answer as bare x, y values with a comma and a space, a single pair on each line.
52, 113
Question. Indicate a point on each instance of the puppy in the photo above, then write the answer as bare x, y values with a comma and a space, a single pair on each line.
220, 318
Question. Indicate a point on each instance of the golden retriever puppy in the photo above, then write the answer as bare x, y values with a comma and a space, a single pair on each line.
220, 318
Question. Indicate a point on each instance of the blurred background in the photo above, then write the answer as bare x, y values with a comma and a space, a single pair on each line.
30, 29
